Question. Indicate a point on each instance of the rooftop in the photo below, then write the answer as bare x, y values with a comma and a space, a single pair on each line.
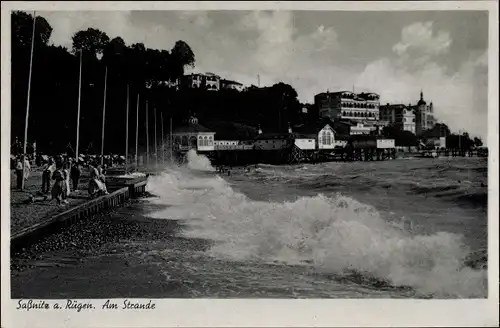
191, 128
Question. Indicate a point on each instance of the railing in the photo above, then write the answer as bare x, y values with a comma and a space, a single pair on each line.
234, 147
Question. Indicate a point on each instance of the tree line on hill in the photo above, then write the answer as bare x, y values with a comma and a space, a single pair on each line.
55, 91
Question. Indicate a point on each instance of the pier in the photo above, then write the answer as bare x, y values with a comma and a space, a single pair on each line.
481, 152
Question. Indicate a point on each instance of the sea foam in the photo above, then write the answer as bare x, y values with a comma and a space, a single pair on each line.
333, 234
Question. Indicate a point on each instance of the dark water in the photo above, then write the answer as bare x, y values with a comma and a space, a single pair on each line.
400, 228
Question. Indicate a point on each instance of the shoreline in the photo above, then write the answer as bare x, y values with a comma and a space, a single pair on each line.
95, 258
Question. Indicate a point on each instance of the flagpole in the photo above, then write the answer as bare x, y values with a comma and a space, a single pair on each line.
156, 141
126, 136
162, 140
147, 134
104, 115
171, 141
79, 106
28, 99
137, 134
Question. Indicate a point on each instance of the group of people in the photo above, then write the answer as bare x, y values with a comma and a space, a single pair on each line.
61, 171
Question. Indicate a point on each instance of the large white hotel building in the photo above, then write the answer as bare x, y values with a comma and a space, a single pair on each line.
362, 107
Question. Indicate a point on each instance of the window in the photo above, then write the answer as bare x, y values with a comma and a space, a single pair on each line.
328, 138
205, 141
200, 141
210, 141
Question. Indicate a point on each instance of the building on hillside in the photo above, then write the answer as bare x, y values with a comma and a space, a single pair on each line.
231, 85
212, 81
362, 107
207, 81
401, 116
193, 136
171, 84
424, 115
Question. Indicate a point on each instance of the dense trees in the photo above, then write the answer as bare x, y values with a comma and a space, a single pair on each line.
54, 88
401, 138
453, 140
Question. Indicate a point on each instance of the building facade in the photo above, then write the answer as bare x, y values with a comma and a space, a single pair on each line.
193, 136
424, 115
208, 81
231, 85
362, 107
401, 116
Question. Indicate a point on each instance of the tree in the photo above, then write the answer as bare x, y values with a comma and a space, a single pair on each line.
91, 41
22, 30
401, 137
478, 142
181, 56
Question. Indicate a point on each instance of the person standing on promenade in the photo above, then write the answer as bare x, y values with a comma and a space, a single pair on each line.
47, 171
75, 174
96, 186
58, 188
19, 172
27, 168
67, 189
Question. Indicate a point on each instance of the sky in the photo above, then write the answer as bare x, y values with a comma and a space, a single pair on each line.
395, 54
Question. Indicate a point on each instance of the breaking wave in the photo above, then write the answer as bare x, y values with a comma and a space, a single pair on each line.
334, 235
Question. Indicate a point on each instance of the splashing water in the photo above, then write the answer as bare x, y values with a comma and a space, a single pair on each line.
333, 235
199, 163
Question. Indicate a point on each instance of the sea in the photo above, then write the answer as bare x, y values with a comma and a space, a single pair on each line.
404, 228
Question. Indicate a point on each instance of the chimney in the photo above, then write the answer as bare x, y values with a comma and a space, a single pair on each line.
260, 130
289, 128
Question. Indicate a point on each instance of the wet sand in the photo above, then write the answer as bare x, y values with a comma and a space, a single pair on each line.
100, 258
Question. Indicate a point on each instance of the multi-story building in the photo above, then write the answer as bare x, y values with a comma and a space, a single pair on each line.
362, 107
209, 81
194, 81
424, 115
228, 84
402, 116
212, 81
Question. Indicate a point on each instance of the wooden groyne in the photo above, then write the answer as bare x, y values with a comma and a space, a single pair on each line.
122, 191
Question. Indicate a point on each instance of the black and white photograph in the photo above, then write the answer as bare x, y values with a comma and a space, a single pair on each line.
248, 154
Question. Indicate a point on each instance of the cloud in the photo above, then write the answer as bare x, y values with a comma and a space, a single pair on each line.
419, 37
459, 98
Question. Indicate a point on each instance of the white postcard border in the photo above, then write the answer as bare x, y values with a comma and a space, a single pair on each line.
264, 312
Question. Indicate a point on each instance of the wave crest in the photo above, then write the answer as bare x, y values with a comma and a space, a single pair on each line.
333, 235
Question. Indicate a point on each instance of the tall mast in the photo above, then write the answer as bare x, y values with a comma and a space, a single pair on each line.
156, 141
162, 140
104, 115
28, 99
137, 134
171, 142
147, 134
79, 105
126, 134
